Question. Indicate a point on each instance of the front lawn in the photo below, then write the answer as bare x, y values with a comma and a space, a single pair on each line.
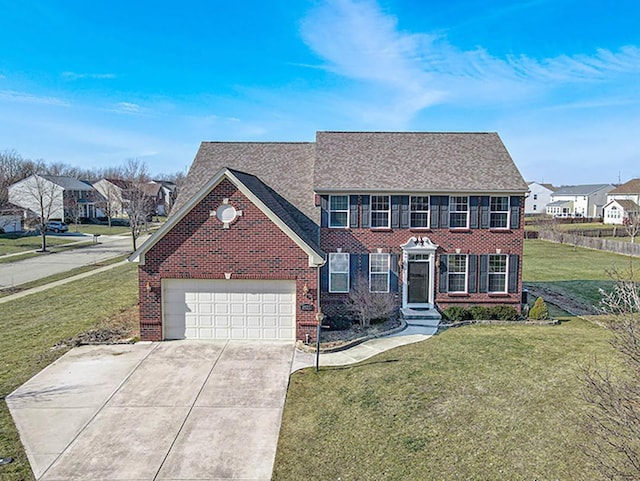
93, 229
478, 402
13, 243
30, 327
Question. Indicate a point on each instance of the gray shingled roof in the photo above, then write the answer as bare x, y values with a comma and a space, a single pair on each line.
287, 168
68, 183
627, 205
270, 199
580, 189
414, 161
630, 187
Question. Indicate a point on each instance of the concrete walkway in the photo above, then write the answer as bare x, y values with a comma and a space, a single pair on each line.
179, 410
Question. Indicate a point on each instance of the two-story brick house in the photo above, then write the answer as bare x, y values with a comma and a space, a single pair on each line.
265, 235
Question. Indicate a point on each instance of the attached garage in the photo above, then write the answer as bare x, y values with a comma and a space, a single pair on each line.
229, 309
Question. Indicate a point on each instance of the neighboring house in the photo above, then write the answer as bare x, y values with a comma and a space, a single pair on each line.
11, 217
64, 198
538, 198
168, 196
113, 192
579, 200
616, 211
266, 236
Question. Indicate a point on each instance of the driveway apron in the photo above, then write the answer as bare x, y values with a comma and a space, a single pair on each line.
180, 410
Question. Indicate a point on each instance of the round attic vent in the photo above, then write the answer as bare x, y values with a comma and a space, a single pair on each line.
226, 213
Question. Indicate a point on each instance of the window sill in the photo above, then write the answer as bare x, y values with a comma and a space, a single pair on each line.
498, 294
458, 294
419, 229
500, 230
459, 229
381, 229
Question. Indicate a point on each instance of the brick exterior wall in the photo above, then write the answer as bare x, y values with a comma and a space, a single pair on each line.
199, 247
469, 241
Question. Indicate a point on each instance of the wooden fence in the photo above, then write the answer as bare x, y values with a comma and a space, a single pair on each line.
625, 248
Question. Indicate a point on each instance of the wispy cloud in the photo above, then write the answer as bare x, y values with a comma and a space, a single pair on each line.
413, 71
22, 97
78, 76
128, 107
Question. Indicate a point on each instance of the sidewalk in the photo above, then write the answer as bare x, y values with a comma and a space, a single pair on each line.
365, 350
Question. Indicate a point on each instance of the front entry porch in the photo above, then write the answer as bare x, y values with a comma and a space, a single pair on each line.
418, 287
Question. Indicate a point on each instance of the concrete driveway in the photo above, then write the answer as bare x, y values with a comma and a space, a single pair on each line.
44, 265
156, 411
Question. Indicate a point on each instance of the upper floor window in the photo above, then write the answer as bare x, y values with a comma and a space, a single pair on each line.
419, 207
380, 211
459, 212
457, 272
379, 272
497, 273
499, 213
338, 272
338, 210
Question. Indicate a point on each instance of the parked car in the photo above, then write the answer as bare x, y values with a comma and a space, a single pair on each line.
56, 226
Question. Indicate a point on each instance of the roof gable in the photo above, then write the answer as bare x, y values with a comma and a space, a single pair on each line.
258, 193
414, 161
586, 189
68, 183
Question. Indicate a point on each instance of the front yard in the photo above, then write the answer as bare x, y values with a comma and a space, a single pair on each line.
478, 402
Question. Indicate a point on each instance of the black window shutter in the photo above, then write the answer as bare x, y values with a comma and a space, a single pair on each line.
444, 211
515, 212
404, 212
363, 273
324, 277
472, 284
395, 211
513, 273
484, 212
324, 211
435, 210
484, 273
393, 274
353, 270
443, 284
353, 211
366, 199
473, 212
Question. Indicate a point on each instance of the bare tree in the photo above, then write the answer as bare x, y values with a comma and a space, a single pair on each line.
14, 168
138, 204
367, 306
44, 198
632, 225
613, 421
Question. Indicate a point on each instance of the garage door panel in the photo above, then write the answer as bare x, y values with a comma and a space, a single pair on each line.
228, 309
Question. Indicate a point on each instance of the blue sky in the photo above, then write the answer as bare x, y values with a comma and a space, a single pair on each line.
94, 83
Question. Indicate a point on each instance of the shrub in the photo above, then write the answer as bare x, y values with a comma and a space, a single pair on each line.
539, 311
367, 306
480, 313
338, 323
457, 313
504, 313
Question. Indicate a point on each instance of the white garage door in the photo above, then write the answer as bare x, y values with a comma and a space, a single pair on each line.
228, 309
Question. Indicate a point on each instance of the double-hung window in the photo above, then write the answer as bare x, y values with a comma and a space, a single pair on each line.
338, 272
497, 273
457, 272
379, 272
499, 212
419, 211
338, 211
380, 211
459, 212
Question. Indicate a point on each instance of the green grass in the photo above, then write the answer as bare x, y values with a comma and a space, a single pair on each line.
572, 271
93, 229
56, 248
11, 243
473, 403
31, 326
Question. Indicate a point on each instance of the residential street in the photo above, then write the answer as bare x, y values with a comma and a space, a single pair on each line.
20, 272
